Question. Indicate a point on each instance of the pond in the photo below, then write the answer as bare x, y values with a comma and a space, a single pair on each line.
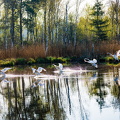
80, 92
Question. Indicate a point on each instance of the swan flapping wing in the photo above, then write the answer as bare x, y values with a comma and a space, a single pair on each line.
118, 53
5, 69
57, 67
94, 60
33, 69
60, 66
90, 61
86, 60
95, 65
40, 69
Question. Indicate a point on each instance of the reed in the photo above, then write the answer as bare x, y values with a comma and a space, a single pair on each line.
82, 50
33, 51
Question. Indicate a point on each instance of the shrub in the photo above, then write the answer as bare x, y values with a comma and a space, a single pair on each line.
50, 59
31, 61
74, 59
59, 60
106, 59
21, 61
7, 63
40, 60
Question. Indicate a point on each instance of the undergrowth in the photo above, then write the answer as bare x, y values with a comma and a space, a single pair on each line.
36, 54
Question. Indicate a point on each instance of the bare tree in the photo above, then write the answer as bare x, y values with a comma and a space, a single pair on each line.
114, 14
21, 40
6, 24
117, 18
78, 2
45, 27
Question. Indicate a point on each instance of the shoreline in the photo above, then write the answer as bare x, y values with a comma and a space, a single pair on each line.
51, 60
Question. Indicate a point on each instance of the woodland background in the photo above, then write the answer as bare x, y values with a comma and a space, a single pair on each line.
41, 28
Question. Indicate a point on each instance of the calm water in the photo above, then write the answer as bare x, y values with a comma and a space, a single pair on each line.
90, 94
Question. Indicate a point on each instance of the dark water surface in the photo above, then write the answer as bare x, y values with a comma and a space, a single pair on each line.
74, 94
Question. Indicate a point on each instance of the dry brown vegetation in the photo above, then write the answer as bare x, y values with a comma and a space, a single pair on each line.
100, 49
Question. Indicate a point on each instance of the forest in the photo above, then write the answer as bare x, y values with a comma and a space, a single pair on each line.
42, 28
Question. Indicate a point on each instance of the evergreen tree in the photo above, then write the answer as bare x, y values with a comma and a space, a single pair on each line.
98, 22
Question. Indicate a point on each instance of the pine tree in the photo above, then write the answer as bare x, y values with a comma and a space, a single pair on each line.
98, 22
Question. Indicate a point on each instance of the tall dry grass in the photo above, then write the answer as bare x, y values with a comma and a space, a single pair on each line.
104, 47
84, 49
33, 51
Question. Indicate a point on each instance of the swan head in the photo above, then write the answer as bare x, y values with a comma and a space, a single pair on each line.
86, 59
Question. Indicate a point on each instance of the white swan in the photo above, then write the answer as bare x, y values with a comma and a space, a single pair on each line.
59, 67
38, 71
92, 62
5, 69
3, 75
2, 72
116, 55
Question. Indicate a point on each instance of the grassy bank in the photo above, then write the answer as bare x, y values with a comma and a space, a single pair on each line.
31, 61
51, 60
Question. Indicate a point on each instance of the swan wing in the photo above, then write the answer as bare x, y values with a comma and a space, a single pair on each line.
118, 53
5, 69
86, 60
60, 66
56, 66
110, 54
33, 69
40, 69
94, 60
95, 65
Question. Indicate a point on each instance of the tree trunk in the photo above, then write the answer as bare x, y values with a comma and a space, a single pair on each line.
117, 19
45, 30
6, 25
12, 24
21, 40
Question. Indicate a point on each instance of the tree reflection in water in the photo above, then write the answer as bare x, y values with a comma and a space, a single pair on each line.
115, 89
65, 98
24, 103
98, 89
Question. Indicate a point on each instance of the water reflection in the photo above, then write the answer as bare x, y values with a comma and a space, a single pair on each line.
71, 95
